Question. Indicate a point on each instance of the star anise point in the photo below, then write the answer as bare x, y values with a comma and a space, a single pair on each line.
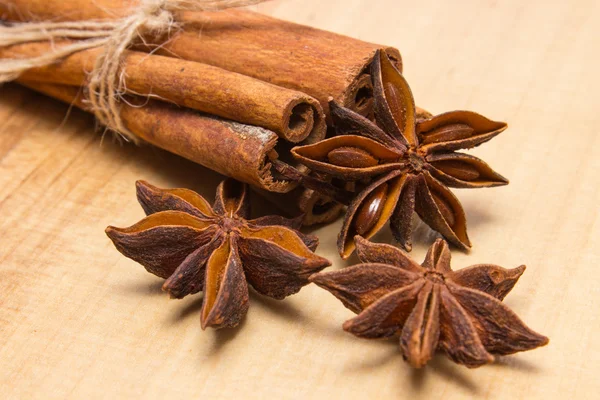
411, 158
430, 306
216, 249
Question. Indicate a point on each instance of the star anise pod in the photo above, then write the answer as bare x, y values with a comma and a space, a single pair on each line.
196, 247
411, 159
430, 306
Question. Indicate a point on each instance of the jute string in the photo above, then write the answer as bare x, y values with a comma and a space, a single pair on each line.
106, 85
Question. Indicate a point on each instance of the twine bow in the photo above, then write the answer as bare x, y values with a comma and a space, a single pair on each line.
106, 84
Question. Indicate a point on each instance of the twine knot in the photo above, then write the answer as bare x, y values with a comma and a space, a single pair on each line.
106, 85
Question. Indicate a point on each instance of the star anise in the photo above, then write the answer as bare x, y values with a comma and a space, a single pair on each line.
196, 247
430, 306
411, 158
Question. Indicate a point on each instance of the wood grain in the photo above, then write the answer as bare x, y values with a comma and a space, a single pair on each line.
77, 320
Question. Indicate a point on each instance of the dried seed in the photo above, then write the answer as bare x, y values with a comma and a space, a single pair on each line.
457, 169
392, 96
351, 157
447, 133
369, 213
445, 209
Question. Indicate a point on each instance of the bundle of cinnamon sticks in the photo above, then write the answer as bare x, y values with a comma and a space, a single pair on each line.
232, 90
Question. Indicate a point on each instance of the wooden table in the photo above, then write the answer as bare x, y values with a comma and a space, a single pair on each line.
78, 320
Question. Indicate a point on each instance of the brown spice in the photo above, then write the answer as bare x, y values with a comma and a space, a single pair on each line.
230, 148
294, 116
429, 306
316, 62
412, 158
196, 247
272, 50
316, 207
191, 135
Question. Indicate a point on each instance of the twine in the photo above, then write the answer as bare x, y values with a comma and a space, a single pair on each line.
106, 85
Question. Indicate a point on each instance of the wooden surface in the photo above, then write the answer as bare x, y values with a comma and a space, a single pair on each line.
78, 320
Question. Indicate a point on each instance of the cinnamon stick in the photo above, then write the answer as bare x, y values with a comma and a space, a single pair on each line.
299, 57
193, 136
294, 116
316, 62
207, 140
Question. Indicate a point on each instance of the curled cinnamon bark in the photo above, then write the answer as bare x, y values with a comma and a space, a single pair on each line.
204, 139
313, 61
294, 116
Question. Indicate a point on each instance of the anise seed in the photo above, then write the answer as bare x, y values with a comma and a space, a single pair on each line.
351, 157
447, 133
457, 169
369, 213
392, 96
445, 209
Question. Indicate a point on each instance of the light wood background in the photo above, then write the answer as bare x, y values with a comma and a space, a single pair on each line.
78, 320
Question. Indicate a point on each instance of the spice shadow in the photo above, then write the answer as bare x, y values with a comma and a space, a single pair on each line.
478, 214
168, 167
440, 365
443, 367
516, 363
152, 162
221, 337
369, 363
193, 308
143, 287
282, 308
417, 378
